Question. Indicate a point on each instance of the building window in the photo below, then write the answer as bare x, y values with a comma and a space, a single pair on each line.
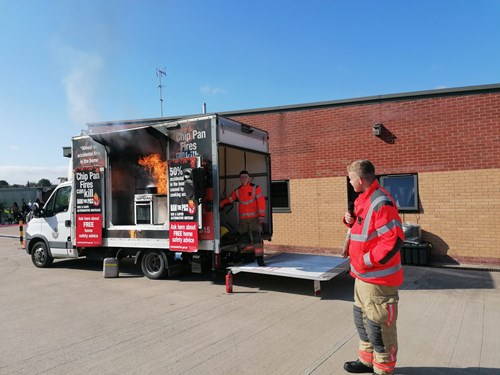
402, 187
280, 196
404, 190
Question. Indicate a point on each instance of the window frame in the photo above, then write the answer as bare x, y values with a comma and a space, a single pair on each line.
352, 195
415, 208
55, 201
286, 209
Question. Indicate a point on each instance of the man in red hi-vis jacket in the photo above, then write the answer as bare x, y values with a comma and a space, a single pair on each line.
374, 249
251, 210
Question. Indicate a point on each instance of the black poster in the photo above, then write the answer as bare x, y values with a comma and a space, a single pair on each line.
191, 140
88, 190
88, 182
181, 207
88, 171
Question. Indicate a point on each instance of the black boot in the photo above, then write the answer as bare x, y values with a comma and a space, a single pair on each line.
260, 261
357, 367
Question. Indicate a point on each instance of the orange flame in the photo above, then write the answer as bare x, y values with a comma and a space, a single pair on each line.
158, 170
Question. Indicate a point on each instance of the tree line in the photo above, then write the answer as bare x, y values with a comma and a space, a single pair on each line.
41, 183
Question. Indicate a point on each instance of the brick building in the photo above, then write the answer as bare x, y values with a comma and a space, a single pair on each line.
437, 151
446, 142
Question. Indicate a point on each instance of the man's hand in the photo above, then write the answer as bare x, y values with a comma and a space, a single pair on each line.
261, 220
348, 218
345, 246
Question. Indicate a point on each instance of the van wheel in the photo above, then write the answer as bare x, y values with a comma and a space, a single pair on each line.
153, 265
40, 255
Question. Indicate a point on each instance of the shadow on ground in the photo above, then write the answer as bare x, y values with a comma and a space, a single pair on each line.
127, 267
429, 278
446, 371
338, 288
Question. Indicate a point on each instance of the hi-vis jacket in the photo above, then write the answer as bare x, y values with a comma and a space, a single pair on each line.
376, 238
252, 201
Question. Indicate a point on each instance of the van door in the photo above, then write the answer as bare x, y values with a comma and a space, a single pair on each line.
57, 223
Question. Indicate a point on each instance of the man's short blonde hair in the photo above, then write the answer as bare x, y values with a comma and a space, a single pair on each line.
364, 169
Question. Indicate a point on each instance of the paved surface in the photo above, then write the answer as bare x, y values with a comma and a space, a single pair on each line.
70, 320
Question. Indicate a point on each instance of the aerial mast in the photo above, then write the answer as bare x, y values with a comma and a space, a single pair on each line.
159, 74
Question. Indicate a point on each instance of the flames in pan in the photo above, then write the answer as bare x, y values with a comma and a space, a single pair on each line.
158, 170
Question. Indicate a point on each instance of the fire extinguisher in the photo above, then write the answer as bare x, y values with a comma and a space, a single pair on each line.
229, 282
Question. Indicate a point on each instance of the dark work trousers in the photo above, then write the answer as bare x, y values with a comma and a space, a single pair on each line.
250, 236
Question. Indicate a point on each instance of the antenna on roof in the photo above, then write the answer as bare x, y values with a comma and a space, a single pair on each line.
160, 73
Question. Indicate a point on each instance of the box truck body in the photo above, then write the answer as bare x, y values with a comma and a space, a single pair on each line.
153, 192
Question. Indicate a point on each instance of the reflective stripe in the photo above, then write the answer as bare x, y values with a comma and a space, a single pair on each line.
363, 237
387, 367
384, 229
394, 352
367, 260
246, 203
249, 201
374, 274
365, 356
390, 314
391, 224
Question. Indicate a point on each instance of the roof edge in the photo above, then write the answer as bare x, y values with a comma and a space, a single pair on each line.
375, 98
330, 103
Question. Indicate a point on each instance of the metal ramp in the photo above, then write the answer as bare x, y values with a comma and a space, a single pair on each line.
301, 266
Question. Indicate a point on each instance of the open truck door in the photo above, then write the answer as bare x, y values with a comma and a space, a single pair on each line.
241, 147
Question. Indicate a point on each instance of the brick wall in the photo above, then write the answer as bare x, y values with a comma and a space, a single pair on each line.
452, 142
423, 135
458, 216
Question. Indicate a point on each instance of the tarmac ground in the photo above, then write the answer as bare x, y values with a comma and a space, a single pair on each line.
69, 319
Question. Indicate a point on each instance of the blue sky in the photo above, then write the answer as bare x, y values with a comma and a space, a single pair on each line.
65, 63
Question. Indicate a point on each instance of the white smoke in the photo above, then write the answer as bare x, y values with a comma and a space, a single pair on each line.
81, 87
81, 79
207, 90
